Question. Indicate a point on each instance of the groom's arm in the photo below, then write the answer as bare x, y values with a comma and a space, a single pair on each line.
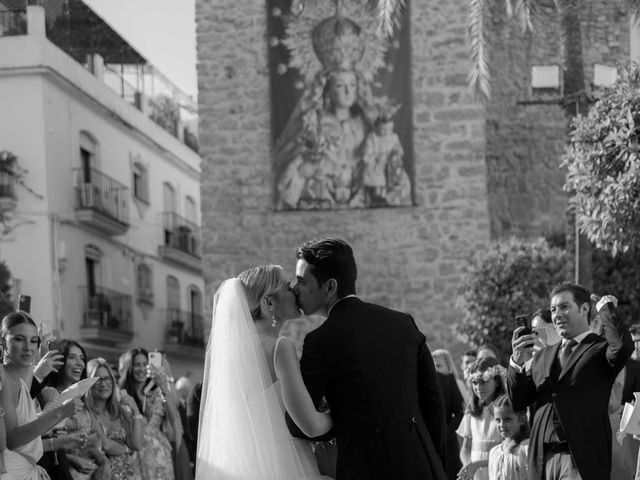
311, 366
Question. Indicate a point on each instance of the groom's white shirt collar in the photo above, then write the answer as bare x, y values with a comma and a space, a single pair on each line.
331, 307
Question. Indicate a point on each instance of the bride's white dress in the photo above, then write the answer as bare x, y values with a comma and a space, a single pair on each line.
242, 431
302, 447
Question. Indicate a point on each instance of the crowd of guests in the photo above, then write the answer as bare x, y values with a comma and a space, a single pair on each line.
564, 384
133, 422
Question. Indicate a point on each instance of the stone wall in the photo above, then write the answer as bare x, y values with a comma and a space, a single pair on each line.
409, 258
525, 142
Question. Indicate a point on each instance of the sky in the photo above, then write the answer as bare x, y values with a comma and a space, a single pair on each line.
163, 31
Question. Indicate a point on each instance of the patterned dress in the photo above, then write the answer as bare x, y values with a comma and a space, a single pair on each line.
121, 468
154, 458
82, 422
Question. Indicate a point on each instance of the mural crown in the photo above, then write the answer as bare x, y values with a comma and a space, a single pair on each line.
337, 42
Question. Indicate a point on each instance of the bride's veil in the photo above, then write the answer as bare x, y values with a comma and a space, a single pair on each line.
242, 433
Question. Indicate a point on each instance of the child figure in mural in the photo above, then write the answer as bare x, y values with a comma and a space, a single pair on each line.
385, 179
319, 157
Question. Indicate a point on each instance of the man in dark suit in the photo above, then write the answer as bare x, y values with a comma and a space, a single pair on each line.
373, 367
571, 383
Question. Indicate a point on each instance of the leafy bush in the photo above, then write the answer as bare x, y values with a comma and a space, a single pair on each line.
619, 276
604, 166
511, 277
166, 113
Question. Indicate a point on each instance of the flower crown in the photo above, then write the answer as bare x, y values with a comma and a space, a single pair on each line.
485, 375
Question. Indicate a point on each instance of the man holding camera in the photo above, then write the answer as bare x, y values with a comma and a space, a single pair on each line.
570, 382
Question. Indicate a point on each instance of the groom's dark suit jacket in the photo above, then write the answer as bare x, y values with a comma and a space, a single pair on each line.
374, 368
579, 393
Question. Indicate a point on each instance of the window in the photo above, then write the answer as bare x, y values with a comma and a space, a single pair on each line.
140, 183
145, 284
173, 293
168, 197
86, 174
191, 212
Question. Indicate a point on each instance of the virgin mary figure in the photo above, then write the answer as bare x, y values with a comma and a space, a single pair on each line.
318, 159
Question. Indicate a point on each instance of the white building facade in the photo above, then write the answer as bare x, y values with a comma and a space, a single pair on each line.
104, 235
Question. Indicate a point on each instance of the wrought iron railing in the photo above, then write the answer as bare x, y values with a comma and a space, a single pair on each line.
191, 139
187, 328
100, 192
117, 82
107, 308
7, 185
181, 234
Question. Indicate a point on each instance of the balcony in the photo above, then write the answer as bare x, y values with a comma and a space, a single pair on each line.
181, 241
8, 197
107, 316
185, 333
13, 21
101, 201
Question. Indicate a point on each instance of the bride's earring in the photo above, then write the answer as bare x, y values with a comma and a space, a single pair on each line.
273, 319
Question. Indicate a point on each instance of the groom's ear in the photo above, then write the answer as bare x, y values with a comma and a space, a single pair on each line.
332, 287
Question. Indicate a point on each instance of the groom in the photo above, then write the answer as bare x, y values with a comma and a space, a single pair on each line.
373, 367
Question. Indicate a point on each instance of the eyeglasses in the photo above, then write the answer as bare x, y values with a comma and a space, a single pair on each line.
104, 380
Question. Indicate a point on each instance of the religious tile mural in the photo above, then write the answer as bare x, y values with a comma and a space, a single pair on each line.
341, 114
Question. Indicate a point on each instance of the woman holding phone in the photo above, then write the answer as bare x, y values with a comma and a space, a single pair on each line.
150, 389
24, 426
58, 462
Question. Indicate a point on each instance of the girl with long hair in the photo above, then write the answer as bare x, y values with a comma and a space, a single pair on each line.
507, 461
477, 429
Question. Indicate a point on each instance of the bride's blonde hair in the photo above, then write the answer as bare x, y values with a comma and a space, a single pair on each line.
258, 283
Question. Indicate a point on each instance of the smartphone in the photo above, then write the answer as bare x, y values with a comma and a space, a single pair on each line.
24, 303
155, 359
523, 321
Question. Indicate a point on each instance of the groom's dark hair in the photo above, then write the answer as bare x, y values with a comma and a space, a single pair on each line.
331, 258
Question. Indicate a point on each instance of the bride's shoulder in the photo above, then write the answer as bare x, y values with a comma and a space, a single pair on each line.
285, 343
285, 348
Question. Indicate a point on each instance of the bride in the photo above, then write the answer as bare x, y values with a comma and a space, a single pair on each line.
251, 375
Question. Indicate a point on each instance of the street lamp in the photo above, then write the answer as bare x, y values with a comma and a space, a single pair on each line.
546, 85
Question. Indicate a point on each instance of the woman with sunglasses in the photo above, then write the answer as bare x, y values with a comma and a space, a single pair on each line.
118, 423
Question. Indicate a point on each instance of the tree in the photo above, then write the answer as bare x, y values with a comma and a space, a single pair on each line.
575, 97
511, 277
603, 163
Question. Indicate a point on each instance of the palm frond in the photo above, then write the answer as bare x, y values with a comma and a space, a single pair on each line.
389, 13
565, 6
634, 6
508, 7
525, 11
386, 11
479, 76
